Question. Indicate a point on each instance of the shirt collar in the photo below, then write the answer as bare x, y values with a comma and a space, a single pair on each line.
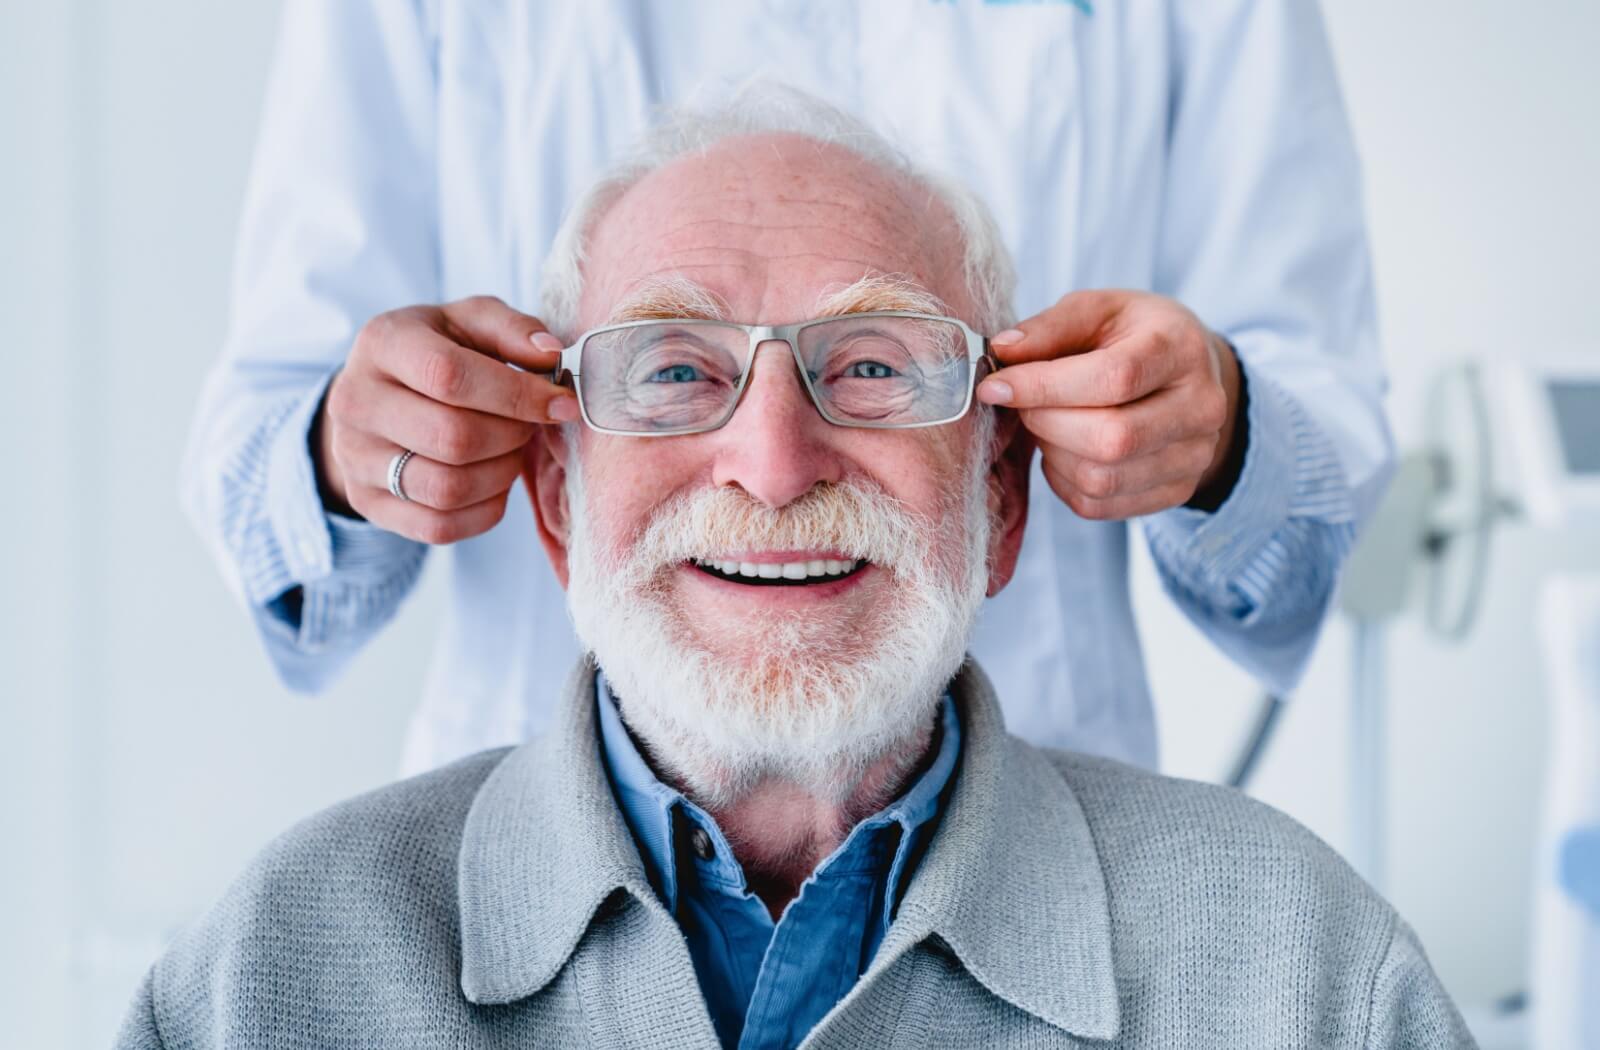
646, 802
1011, 882
648, 806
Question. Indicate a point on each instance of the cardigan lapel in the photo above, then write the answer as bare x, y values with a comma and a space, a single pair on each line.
1011, 882
544, 847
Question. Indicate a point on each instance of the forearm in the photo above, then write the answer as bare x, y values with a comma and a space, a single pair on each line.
1265, 240
1257, 575
317, 585
329, 239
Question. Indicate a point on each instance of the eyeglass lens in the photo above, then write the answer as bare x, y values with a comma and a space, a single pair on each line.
685, 375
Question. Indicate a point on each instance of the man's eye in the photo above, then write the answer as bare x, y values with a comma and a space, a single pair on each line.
870, 370
675, 374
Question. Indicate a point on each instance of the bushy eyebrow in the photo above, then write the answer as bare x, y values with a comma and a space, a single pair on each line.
880, 291
666, 298
675, 297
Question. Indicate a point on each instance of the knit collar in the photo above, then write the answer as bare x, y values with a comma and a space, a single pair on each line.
1011, 883
649, 805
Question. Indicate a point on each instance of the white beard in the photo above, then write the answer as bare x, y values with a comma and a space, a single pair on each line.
801, 702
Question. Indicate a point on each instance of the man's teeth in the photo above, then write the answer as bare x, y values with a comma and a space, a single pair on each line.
788, 570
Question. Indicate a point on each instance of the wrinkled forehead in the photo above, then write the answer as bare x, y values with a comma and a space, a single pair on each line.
770, 225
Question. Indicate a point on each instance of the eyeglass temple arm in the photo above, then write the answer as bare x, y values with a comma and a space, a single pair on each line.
988, 358
555, 375
561, 371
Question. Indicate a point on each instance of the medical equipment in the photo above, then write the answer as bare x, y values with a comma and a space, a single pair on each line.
1555, 426
1430, 537
1427, 549
1566, 918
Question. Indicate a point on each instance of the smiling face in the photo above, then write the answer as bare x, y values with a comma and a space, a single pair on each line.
781, 596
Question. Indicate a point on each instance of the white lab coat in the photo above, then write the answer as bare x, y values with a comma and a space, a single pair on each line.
425, 151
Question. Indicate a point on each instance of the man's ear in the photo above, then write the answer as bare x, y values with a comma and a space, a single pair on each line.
544, 474
1011, 465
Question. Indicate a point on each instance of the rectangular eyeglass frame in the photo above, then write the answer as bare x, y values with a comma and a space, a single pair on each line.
978, 352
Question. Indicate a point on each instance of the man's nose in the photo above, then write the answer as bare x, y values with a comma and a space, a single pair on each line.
777, 446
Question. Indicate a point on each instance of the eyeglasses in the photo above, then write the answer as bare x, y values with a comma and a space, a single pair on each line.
890, 369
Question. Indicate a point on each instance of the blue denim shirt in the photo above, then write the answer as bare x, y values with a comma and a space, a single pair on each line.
767, 984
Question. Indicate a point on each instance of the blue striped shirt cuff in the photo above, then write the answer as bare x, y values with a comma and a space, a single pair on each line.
1278, 540
351, 575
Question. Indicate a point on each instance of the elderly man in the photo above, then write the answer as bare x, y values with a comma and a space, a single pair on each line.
779, 806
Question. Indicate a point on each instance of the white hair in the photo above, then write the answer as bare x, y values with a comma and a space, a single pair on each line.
763, 107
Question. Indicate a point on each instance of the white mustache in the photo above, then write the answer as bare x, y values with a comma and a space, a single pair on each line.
849, 518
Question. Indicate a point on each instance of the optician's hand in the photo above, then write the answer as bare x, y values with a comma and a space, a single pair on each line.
1132, 400
433, 379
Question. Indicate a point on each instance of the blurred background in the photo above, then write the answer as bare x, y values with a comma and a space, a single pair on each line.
147, 751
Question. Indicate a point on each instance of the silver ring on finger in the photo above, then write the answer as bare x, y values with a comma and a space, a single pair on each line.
396, 465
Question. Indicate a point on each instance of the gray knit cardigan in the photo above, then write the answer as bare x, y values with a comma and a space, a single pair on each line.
1064, 901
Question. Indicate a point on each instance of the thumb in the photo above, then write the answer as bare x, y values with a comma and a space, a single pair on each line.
1074, 324
486, 324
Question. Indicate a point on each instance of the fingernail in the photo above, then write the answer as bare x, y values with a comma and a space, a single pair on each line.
564, 409
1009, 336
995, 392
546, 341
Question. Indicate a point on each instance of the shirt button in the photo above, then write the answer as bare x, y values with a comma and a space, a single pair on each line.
700, 842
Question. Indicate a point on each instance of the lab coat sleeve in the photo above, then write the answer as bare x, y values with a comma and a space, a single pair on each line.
338, 226
1264, 238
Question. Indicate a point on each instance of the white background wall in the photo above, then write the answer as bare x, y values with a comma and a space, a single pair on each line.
146, 751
